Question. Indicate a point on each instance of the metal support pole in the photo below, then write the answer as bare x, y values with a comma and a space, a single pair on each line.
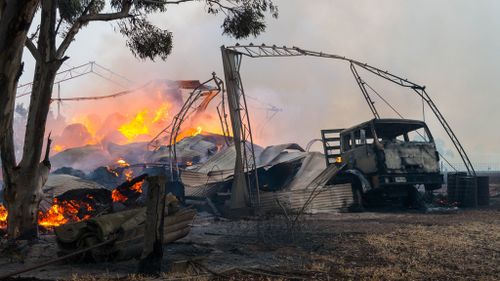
239, 191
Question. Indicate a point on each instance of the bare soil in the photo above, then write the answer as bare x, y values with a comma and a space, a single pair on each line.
383, 245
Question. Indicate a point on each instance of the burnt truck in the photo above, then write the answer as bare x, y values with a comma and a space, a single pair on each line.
385, 160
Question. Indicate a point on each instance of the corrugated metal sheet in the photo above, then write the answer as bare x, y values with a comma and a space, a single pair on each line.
196, 149
276, 154
333, 198
223, 160
202, 191
192, 178
58, 184
271, 155
221, 166
312, 166
312, 173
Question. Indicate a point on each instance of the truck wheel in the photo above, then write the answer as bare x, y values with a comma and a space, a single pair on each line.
357, 194
414, 199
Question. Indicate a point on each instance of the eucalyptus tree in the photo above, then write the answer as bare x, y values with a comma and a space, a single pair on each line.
60, 22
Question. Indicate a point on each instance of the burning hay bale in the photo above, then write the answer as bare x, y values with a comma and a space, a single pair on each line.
76, 205
126, 228
128, 193
69, 199
69, 171
72, 199
84, 158
192, 150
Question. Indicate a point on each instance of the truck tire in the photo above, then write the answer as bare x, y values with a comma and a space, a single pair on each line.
357, 194
415, 199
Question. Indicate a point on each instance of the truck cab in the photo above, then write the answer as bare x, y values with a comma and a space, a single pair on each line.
388, 154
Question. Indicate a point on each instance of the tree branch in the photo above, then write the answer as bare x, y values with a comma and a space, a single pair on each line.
165, 2
107, 16
216, 2
58, 25
85, 18
32, 48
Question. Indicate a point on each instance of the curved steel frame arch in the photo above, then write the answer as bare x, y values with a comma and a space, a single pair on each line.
232, 57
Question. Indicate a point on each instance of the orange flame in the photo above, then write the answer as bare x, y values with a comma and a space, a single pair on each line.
128, 175
191, 132
122, 163
137, 187
58, 148
117, 196
63, 212
3, 216
198, 131
136, 127
162, 113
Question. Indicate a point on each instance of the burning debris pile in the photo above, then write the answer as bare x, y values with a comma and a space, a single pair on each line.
72, 199
94, 150
71, 195
92, 137
83, 214
130, 227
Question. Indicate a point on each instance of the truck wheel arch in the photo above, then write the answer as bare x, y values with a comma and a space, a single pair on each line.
365, 184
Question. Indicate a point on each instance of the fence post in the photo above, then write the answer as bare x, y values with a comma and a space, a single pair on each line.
152, 254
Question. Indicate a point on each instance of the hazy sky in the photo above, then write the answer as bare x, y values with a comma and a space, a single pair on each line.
449, 46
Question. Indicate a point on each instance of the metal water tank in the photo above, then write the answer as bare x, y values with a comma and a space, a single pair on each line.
483, 190
451, 186
466, 191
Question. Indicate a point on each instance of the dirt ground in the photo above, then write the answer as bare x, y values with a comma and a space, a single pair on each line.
383, 245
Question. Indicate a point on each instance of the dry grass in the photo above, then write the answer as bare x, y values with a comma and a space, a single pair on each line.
367, 246
462, 251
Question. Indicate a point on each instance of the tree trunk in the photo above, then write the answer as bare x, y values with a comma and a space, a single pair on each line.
15, 21
24, 192
22, 198
24, 182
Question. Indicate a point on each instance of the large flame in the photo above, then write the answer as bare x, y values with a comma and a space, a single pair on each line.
130, 125
60, 212
136, 127
65, 211
191, 132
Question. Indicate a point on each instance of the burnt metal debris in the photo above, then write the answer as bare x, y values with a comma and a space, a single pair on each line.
243, 185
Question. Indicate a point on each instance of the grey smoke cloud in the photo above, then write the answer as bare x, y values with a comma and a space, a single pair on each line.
450, 46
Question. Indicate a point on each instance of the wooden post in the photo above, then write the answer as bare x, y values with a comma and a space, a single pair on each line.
152, 254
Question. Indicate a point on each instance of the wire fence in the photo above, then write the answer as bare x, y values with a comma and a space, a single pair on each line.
478, 167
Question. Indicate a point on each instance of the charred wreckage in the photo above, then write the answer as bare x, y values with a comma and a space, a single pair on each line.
226, 173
